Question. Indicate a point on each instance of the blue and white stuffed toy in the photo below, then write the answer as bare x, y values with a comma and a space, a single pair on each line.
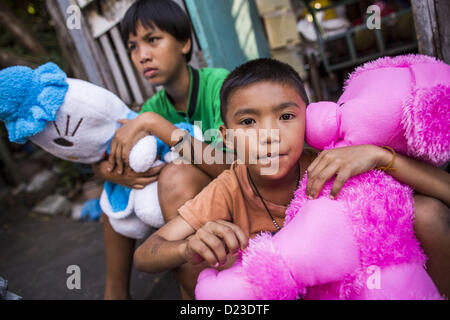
76, 121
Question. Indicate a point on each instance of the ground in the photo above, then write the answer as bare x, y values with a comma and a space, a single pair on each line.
36, 250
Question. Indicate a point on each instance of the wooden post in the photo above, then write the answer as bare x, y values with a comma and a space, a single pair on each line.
115, 69
83, 48
432, 27
126, 64
65, 41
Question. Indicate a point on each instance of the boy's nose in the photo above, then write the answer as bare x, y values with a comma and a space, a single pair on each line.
145, 56
269, 131
269, 136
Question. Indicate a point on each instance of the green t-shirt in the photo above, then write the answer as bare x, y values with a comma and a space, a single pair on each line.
207, 108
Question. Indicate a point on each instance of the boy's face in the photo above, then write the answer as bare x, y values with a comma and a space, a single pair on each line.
156, 54
275, 113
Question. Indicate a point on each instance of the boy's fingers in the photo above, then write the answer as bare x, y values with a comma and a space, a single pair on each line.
232, 242
227, 234
155, 171
123, 121
125, 156
313, 176
200, 248
241, 236
322, 178
339, 182
313, 164
316, 161
111, 160
118, 156
214, 243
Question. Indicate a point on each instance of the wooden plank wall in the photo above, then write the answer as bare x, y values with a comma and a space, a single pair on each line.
230, 31
433, 27
98, 51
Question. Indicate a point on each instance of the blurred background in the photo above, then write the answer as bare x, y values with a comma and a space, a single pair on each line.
49, 213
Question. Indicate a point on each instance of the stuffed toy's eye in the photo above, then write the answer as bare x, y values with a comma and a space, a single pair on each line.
63, 142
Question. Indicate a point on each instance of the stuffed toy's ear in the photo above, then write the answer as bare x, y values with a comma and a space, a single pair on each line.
322, 124
426, 120
30, 98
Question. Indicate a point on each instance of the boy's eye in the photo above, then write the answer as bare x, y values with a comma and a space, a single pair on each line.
287, 116
247, 122
152, 39
131, 47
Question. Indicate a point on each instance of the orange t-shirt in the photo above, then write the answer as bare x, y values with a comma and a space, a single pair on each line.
230, 197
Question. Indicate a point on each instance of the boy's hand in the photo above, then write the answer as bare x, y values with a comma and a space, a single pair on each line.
343, 163
129, 178
124, 140
214, 241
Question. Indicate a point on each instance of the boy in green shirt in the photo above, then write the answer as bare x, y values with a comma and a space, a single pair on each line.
206, 110
158, 36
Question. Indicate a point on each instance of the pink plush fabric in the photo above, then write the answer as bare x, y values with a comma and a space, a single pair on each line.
381, 212
403, 61
402, 102
428, 143
327, 248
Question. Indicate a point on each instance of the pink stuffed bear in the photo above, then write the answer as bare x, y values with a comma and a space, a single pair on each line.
361, 245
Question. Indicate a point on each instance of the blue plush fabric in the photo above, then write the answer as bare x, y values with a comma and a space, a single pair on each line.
117, 195
91, 210
30, 98
131, 115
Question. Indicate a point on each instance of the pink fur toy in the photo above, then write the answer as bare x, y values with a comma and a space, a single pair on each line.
361, 245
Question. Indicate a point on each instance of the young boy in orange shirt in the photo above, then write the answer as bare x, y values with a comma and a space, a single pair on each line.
260, 96
159, 38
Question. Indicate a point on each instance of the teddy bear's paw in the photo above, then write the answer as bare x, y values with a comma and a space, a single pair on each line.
117, 201
229, 284
147, 207
143, 154
130, 227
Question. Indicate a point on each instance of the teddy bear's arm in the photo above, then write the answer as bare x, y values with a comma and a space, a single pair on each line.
316, 247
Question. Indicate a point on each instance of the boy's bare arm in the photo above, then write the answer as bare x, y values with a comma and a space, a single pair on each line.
169, 247
347, 162
424, 178
129, 178
163, 250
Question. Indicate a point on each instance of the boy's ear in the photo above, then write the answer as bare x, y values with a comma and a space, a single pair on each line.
223, 133
186, 47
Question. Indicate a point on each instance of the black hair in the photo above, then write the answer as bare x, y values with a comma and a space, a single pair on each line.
259, 70
164, 14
